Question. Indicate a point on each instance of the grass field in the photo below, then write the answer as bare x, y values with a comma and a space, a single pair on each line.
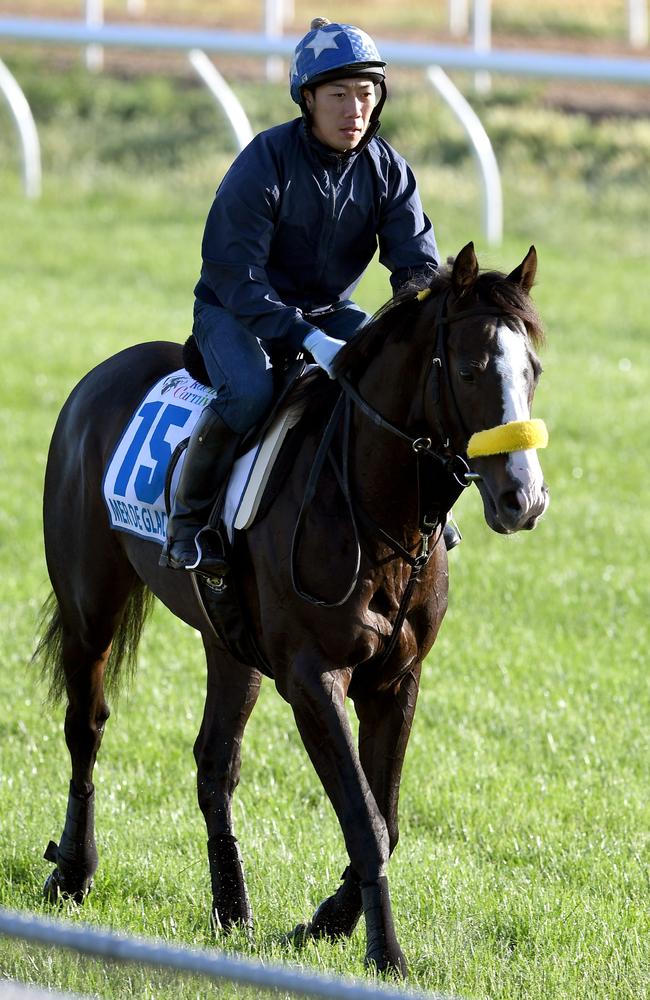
524, 867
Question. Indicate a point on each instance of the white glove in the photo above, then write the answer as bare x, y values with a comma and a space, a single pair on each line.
323, 349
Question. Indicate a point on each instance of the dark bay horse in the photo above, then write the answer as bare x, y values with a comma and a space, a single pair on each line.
429, 372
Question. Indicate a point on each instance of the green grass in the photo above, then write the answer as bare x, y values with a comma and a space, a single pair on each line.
523, 867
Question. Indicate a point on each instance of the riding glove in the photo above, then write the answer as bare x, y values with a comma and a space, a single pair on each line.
323, 349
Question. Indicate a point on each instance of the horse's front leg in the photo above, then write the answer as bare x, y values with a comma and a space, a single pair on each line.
385, 725
385, 720
317, 698
232, 691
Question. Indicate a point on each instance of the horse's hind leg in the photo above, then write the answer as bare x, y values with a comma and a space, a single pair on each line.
75, 855
336, 916
85, 622
232, 691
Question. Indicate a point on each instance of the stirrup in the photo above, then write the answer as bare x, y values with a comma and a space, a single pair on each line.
211, 559
451, 534
168, 562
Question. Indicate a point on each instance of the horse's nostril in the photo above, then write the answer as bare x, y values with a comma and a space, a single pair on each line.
514, 501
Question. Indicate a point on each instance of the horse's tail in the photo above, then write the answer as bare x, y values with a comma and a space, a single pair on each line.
124, 647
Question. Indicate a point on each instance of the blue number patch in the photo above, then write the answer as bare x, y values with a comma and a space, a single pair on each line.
150, 479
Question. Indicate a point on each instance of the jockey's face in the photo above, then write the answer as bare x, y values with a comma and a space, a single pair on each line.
340, 111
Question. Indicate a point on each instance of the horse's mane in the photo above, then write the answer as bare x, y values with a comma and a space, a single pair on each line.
398, 317
399, 314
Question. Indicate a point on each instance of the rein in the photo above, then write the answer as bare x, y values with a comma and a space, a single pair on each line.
453, 466
341, 407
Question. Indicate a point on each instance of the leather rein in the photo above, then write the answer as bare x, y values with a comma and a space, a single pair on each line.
455, 471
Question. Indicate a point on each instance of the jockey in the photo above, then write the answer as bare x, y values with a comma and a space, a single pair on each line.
293, 226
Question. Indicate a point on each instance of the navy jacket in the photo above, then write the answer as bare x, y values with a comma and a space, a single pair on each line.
294, 225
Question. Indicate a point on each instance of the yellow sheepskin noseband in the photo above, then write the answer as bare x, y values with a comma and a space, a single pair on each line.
518, 435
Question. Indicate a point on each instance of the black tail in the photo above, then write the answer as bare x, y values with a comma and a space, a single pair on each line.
122, 657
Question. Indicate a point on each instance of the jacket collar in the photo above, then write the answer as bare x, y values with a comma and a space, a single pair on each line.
330, 156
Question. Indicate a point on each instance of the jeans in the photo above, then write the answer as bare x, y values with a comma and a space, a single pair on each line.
238, 367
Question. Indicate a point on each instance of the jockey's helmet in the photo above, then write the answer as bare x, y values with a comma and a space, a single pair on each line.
332, 51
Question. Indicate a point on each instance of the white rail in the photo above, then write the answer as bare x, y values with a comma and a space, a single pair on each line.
200, 40
27, 134
216, 84
458, 18
519, 63
213, 964
489, 169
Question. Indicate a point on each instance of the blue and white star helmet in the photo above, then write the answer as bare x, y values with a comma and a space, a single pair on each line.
331, 50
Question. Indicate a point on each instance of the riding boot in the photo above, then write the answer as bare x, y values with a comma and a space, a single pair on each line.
208, 460
451, 533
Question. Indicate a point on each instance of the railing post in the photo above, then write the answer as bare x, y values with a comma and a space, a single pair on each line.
225, 97
482, 37
24, 119
637, 17
478, 137
273, 23
94, 15
458, 17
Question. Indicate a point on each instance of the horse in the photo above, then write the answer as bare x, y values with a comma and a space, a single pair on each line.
342, 576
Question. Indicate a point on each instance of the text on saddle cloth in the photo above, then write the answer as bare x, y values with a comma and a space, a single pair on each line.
134, 480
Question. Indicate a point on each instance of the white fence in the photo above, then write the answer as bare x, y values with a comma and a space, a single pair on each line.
432, 58
522, 62
213, 965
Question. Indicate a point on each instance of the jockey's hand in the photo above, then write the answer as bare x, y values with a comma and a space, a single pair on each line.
323, 349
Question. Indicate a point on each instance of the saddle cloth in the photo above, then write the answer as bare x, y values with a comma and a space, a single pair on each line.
134, 479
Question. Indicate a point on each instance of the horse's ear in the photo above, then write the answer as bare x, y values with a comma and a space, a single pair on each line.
465, 270
524, 275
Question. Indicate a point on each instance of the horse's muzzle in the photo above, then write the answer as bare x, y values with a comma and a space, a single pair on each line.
513, 509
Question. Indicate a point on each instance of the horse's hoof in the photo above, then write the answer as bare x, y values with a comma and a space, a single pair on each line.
338, 915
55, 891
387, 964
220, 927
297, 936
51, 889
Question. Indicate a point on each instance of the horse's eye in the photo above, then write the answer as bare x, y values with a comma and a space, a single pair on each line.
466, 374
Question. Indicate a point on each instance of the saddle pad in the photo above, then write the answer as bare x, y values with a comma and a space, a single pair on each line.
134, 480
251, 473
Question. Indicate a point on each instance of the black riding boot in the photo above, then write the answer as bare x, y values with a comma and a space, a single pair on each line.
208, 460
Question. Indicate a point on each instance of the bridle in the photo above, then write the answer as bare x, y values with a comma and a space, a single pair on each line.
452, 462
454, 468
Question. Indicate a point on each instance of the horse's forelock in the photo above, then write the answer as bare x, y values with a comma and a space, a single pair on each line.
494, 287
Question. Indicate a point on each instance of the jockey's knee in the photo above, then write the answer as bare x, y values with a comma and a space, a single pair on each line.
242, 410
